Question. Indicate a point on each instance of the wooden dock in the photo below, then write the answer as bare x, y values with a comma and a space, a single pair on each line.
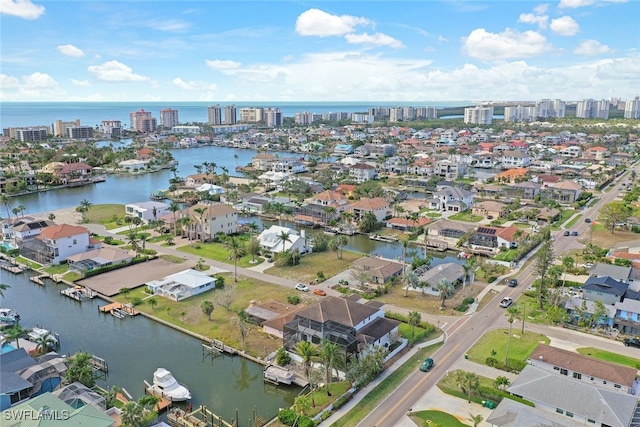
15, 269
39, 279
78, 293
119, 310
165, 401
203, 417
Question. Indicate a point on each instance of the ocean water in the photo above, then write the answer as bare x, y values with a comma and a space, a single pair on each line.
19, 114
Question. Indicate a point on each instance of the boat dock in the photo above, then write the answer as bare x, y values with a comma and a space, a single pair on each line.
13, 268
78, 293
203, 417
119, 310
39, 279
165, 401
380, 238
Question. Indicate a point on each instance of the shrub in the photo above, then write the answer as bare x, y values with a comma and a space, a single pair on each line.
491, 361
293, 299
108, 240
305, 422
340, 401
287, 417
468, 300
491, 279
282, 357
515, 365
219, 281
136, 301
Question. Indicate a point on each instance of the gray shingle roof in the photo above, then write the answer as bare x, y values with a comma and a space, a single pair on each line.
606, 285
617, 272
339, 310
510, 413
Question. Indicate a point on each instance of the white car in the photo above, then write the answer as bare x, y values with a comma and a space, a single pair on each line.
506, 302
302, 287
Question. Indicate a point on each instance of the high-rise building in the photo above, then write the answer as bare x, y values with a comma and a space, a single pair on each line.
273, 117
632, 108
558, 107
80, 132
142, 121
520, 113
168, 118
426, 112
252, 114
478, 115
215, 114
59, 127
396, 114
31, 134
112, 128
590, 109
304, 118
230, 115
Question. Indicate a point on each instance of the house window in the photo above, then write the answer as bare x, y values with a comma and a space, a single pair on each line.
577, 375
564, 372
557, 368
617, 386
569, 414
75, 242
559, 411
591, 421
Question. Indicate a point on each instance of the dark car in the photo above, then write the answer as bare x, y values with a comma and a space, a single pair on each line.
632, 342
426, 365
343, 282
513, 283
574, 233
587, 220
566, 233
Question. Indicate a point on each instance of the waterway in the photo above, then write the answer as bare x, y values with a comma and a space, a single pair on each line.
135, 346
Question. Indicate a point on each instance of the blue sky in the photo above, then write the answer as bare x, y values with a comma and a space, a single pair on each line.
318, 50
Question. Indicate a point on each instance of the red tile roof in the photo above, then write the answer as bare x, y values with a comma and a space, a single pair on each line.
62, 230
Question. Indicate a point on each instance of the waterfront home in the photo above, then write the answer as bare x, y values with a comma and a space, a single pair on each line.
198, 179
406, 224
449, 169
356, 328
133, 165
523, 190
98, 258
73, 171
492, 238
378, 206
377, 270
343, 149
271, 240
451, 199
490, 209
263, 161
449, 271
55, 243
565, 192
146, 211
512, 176
362, 172
23, 227
182, 285
209, 219
448, 230
330, 198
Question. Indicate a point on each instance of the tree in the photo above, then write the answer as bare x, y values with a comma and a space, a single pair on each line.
341, 241
152, 303
242, 323
112, 396
85, 205
15, 333
368, 223
285, 237
468, 383
253, 247
308, 352
501, 382
475, 419
235, 248
140, 413
614, 213
512, 312
414, 319
225, 296
45, 343
187, 221
52, 217
544, 260
173, 208
468, 269
80, 370
207, 308
6, 201
445, 289
3, 287
410, 280
124, 291
201, 212
332, 358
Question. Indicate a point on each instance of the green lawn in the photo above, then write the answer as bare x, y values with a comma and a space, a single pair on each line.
433, 214
57, 269
465, 216
327, 262
106, 214
161, 238
322, 400
506, 255
28, 262
573, 221
620, 359
564, 216
421, 334
494, 344
218, 252
387, 386
441, 419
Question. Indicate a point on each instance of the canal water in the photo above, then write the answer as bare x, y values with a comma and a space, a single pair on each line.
135, 346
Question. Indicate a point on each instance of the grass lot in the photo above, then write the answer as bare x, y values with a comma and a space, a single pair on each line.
421, 334
466, 216
114, 242
57, 269
436, 417
564, 216
506, 255
188, 315
173, 258
573, 221
106, 215
382, 390
218, 252
28, 262
620, 359
520, 348
322, 400
426, 303
161, 238
72, 276
327, 262
433, 214
605, 239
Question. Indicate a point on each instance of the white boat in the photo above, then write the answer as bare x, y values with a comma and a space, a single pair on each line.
37, 333
164, 384
8, 317
279, 375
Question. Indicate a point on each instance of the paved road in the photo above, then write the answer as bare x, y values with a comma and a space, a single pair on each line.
465, 332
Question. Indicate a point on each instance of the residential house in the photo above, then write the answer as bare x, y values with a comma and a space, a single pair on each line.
343, 149
207, 220
565, 192
354, 327
510, 413
262, 161
362, 172
288, 165
524, 190
73, 171
406, 224
594, 371
378, 206
490, 209
597, 153
492, 238
133, 165
617, 272
182, 285
57, 242
604, 289
196, 180
576, 400
23, 227
448, 169
627, 313
449, 271
513, 159
447, 230
98, 258
451, 199
271, 240
330, 198
378, 270
571, 151
146, 211
512, 176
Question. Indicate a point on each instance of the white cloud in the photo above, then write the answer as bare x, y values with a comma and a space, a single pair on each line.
168, 25
315, 22
442, 39
114, 71
480, 44
591, 48
541, 9
377, 39
70, 50
9, 82
564, 26
222, 65
572, 4
531, 18
21, 8
81, 83
194, 85
35, 86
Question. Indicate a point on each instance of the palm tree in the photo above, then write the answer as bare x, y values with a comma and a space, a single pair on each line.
347, 216
329, 211
501, 382
475, 419
21, 209
6, 201
85, 205
132, 239
471, 383
188, 222
200, 212
285, 237
207, 308
409, 280
331, 357
414, 319
45, 343
242, 322
253, 227
3, 288
233, 245
512, 312
341, 241
174, 207
467, 269
308, 352
445, 289
153, 303
15, 333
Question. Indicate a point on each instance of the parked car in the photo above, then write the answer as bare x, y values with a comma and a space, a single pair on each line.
587, 220
343, 282
574, 233
566, 233
587, 265
632, 342
302, 287
513, 283
320, 292
426, 365
506, 302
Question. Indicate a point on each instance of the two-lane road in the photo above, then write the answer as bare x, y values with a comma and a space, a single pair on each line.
398, 403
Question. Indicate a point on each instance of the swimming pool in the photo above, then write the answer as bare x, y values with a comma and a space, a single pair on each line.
6, 348
8, 246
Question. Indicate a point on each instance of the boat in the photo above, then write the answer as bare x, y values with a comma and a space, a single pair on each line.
165, 385
38, 333
8, 317
279, 375
380, 238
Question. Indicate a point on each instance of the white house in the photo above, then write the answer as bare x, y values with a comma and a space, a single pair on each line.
182, 285
362, 172
514, 159
212, 219
146, 211
23, 227
54, 244
451, 199
133, 164
377, 206
211, 189
270, 240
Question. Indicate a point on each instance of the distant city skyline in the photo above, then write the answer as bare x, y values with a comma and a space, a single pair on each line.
380, 51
